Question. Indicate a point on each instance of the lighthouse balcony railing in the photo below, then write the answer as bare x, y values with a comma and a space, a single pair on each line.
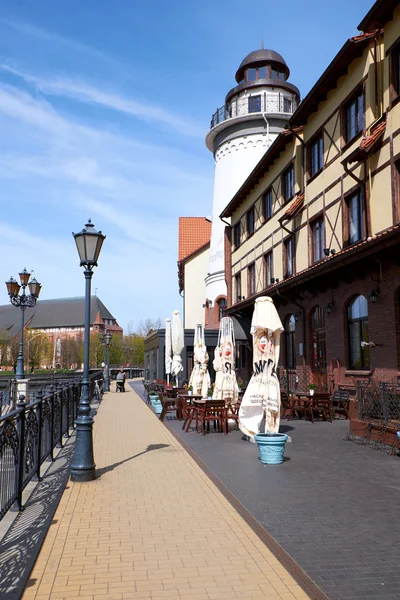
261, 103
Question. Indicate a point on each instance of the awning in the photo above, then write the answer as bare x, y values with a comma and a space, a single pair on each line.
293, 209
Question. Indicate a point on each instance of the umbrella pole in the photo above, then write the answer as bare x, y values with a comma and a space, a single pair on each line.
168, 378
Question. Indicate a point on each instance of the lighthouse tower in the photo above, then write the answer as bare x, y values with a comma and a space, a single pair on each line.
256, 110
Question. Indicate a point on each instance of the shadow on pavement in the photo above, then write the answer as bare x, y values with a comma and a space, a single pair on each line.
103, 470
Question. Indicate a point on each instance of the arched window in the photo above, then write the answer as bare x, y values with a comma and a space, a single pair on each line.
221, 307
357, 319
290, 345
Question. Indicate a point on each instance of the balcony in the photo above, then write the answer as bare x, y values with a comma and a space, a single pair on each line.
252, 105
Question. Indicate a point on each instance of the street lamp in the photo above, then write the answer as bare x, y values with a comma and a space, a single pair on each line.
22, 301
130, 370
89, 243
107, 339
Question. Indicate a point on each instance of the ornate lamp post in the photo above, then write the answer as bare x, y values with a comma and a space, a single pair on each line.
22, 301
107, 339
89, 243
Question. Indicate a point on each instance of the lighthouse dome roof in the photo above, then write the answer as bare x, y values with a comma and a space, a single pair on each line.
262, 57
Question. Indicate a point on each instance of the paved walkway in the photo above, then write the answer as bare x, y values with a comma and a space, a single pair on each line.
152, 525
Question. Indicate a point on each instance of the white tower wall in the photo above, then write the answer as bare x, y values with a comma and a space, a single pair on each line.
234, 161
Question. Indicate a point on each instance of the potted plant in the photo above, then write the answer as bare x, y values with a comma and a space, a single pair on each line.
190, 390
209, 393
271, 447
312, 387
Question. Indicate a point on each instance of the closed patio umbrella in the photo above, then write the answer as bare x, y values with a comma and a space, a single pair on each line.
200, 377
225, 381
168, 348
177, 339
262, 397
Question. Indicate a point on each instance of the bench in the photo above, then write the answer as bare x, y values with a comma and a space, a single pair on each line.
340, 403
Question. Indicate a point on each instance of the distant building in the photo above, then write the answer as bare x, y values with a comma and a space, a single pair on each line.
59, 319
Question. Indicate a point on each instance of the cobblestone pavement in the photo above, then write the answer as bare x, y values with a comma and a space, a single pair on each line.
333, 505
152, 525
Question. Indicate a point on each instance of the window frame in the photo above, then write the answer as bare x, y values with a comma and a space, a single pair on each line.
250, 100
236, 235
311, 144
268, 257
267, 194
250, 212
359, 192
319, 220
238, 286
365, 356
251, 279
354, 100
288, 241
394, 73
285, 173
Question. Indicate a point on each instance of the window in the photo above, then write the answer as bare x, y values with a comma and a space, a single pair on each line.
236, 235
269, 268
290, 342
221, 307
251, 74
288, 255
315, 156
355, 216
238, 287
354, 115
267, 204
254, 104
287, 105
318, 239
288, 183
250, 222
251, 273
395, 75
357, 318
262, 72
318, 339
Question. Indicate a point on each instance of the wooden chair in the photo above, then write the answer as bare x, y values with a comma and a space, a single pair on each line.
301, 405
215, 411
232, 411
170, 405
340, 403
322, 405
285, 405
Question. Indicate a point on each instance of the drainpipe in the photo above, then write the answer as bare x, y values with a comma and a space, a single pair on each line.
304, 320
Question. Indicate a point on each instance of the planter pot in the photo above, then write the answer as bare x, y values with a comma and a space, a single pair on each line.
158, 408
271, 447
190, 392
311, 392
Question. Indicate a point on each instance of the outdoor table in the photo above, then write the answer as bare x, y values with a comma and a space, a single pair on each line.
184, 400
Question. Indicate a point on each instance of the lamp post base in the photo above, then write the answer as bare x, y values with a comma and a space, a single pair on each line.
83, 467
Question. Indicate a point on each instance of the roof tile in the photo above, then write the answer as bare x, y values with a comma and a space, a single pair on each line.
194, 232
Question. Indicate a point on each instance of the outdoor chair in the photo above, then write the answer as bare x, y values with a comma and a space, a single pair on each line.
322, 405
301, 406
214, 411
232, 411
170, 405
285, 406
340, 403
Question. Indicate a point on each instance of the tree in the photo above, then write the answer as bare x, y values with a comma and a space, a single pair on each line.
134, 349
37, 350
148, 326
71, 350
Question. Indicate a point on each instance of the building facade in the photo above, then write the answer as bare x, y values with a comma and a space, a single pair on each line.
316, 225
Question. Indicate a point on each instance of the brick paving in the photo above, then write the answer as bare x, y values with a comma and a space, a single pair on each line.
333, 505
152, 525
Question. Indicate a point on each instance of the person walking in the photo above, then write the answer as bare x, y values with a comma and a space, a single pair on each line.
121, 376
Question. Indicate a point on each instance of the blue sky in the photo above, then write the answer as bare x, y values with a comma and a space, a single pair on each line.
104, 107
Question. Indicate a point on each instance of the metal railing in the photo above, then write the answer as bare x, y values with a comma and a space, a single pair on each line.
379, 401
299, 380
30, 432
259, 103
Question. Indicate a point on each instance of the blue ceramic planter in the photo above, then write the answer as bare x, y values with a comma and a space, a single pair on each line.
271, 447
156, 404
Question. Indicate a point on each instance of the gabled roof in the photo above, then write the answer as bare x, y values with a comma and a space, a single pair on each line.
193, 233
61, 312
379, 15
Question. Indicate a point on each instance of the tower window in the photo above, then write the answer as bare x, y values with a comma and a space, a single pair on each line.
262, 72
251, 74
255, 104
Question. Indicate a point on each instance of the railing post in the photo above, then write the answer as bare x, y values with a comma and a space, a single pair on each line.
68, 393
60, 399
52, 420
39, 398
21, 427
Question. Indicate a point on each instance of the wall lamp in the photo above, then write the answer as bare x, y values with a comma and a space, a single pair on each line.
373, 296
274, 280
329, 307
327, 251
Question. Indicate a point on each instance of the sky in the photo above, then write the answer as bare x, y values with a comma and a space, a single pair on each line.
104, 107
